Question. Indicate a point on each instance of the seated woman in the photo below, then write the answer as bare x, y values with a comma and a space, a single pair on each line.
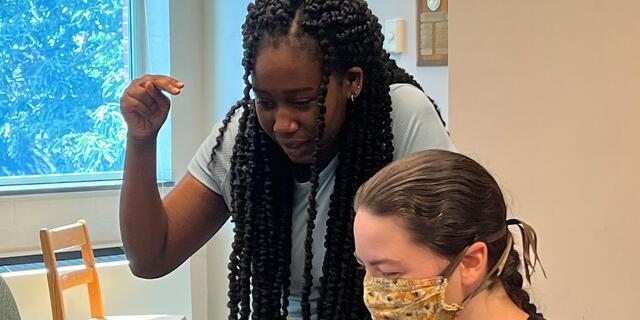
432, 234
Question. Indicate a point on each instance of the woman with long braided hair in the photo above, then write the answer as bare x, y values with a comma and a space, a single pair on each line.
431, 231
324, 108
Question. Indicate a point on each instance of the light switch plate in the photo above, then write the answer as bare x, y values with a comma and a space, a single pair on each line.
395, 35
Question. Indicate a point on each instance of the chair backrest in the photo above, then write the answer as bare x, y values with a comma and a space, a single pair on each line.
67, 237
8, 308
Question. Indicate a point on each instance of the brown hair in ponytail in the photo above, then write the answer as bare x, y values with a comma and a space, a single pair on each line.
449, 201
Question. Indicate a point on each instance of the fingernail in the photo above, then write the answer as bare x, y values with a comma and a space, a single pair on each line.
180, 84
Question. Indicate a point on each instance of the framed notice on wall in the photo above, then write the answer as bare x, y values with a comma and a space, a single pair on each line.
433, 32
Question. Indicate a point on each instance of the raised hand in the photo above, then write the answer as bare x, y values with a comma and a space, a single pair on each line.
144, 106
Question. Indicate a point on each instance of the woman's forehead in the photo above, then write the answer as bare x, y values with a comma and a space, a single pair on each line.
285, 57
278, 68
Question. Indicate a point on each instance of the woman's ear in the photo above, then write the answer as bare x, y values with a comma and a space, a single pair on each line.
352, 83
473, 266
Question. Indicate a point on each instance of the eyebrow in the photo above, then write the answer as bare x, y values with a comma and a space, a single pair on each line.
289, 91
376, 262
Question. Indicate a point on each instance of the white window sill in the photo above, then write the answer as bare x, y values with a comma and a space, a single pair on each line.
66, 187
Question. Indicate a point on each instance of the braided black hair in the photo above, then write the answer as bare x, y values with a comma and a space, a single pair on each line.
342, 34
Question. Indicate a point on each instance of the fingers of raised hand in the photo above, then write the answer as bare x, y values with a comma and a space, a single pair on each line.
160, 101
140, 98
164, 83
134, 104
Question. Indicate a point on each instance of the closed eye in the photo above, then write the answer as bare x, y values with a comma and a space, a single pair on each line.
390, 274
265, 104
303, 104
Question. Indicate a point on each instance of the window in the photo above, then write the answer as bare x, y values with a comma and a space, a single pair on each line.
64, 66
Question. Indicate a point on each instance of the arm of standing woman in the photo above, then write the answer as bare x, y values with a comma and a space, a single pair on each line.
159, 234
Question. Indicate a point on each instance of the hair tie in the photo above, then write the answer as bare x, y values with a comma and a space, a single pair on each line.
529, 243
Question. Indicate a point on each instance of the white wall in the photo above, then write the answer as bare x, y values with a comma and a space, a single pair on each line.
546, 94
21, 217
190, 63
434, 80
169, 295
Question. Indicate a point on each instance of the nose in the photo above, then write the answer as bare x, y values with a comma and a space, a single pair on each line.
285, 121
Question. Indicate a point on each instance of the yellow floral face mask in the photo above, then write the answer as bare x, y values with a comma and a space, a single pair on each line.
408, 299
424, 299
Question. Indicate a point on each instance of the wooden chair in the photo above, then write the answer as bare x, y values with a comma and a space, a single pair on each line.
73, 236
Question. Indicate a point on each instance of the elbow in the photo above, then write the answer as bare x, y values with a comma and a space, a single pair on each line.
145, 270
143, 273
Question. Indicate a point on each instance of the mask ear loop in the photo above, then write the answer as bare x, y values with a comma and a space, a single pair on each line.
529, 242
448, 271
497, 268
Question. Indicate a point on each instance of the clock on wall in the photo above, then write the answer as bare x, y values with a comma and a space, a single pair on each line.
433, 5
433, 32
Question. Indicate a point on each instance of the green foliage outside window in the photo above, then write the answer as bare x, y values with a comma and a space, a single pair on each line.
63, 68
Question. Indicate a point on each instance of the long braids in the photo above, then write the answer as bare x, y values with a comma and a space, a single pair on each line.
347, 35
312, 209
260, 205
356, 40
